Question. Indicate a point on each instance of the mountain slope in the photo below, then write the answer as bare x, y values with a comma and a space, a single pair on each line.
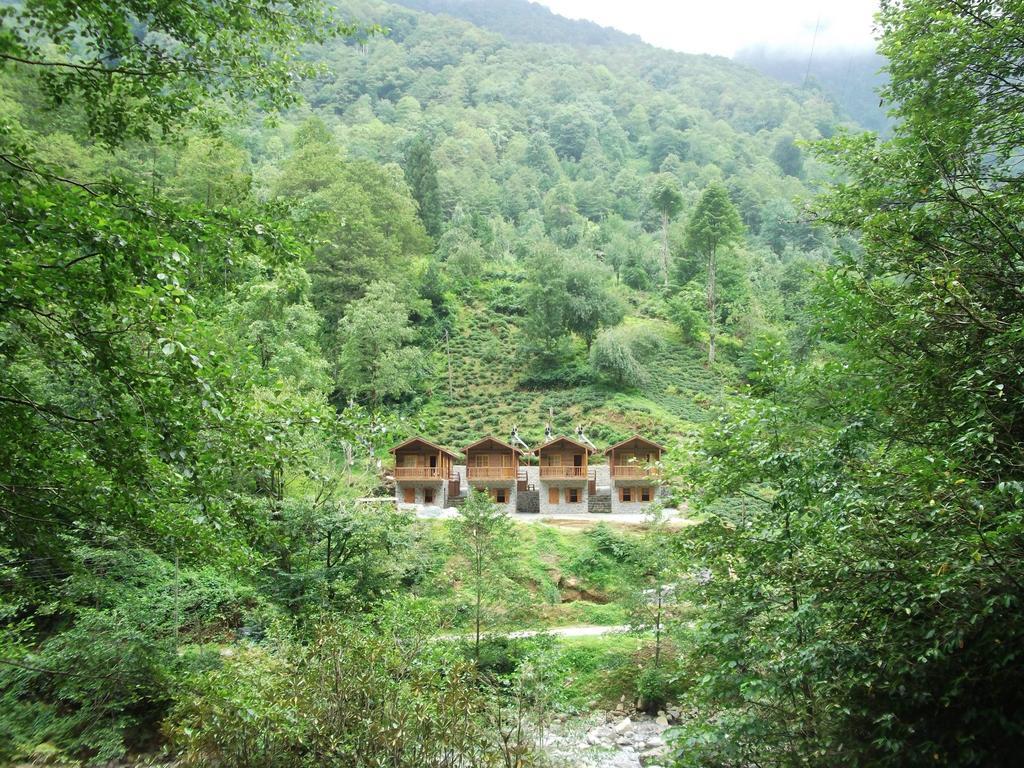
521, 21
556, 148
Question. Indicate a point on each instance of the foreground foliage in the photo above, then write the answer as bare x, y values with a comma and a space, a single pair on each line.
354, 695
864, 606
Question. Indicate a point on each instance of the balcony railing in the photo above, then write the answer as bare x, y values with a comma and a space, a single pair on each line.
559, 472
421, 473
632, 471
491, 473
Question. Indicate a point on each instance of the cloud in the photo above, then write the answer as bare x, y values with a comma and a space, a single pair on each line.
724, 27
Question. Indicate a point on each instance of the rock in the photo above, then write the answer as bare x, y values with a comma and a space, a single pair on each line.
623, 725
655, 742
661, 720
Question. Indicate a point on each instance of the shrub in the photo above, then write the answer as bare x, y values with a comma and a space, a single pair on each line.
354, 696
686, 311
654, 686
622, 354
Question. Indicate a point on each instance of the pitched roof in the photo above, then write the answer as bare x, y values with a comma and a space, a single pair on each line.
563, 439
426, 442
638, 438
491, 439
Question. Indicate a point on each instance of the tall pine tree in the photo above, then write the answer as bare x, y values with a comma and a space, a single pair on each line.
421, 174
715, 224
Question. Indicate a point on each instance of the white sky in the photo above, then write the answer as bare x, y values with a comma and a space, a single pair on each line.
726, 26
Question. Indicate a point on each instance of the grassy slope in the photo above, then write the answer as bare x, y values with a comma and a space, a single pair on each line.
531, 597
487, 397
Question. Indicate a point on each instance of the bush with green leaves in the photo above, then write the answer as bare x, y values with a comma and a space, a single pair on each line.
687, 311
352, 696
623, 355
99, 687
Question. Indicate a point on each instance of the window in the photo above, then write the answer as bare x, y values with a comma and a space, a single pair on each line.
409, 495
645, 494
552, 495
573, 495
625, 494
501, 495
428, 495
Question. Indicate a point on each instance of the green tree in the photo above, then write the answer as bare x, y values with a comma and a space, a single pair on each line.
714, 225
421, 175
590, 303
275, 320
135, 78
544, 331
361, 217
864, 577
561, 219
788, 157
685, 311
655, 573
138, 444
667, 200
212, 172
377, 359
485, 536
624, 354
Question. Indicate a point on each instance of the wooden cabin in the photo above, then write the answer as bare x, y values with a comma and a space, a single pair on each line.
564, 474
423, 473
494, 466
632, 474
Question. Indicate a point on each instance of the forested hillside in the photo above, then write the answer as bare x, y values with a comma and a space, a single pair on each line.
536, 170
853, 80
247, 248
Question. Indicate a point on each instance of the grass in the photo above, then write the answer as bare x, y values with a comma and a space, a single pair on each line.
594, 671
557, 577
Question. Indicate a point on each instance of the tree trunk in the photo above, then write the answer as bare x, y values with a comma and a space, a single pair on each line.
664, 248
712, 313
657, 632
479, 589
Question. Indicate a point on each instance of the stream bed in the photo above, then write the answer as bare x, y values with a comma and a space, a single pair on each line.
608, 740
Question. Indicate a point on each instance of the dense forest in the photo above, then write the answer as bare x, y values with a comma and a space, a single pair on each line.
248, 247
851, 79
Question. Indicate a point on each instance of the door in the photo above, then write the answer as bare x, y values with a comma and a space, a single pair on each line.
433, 465
409, 495
552, 495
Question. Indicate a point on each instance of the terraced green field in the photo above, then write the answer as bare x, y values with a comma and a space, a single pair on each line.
488, 396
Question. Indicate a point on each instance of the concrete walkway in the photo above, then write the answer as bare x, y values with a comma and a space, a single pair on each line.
578, 631
671, 516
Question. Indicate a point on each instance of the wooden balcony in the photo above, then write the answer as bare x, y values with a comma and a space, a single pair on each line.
483, 474
632, 471
427, 474
562, 472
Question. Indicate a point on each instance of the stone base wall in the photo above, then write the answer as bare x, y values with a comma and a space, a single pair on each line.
629, 507
440, 495
562, 507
